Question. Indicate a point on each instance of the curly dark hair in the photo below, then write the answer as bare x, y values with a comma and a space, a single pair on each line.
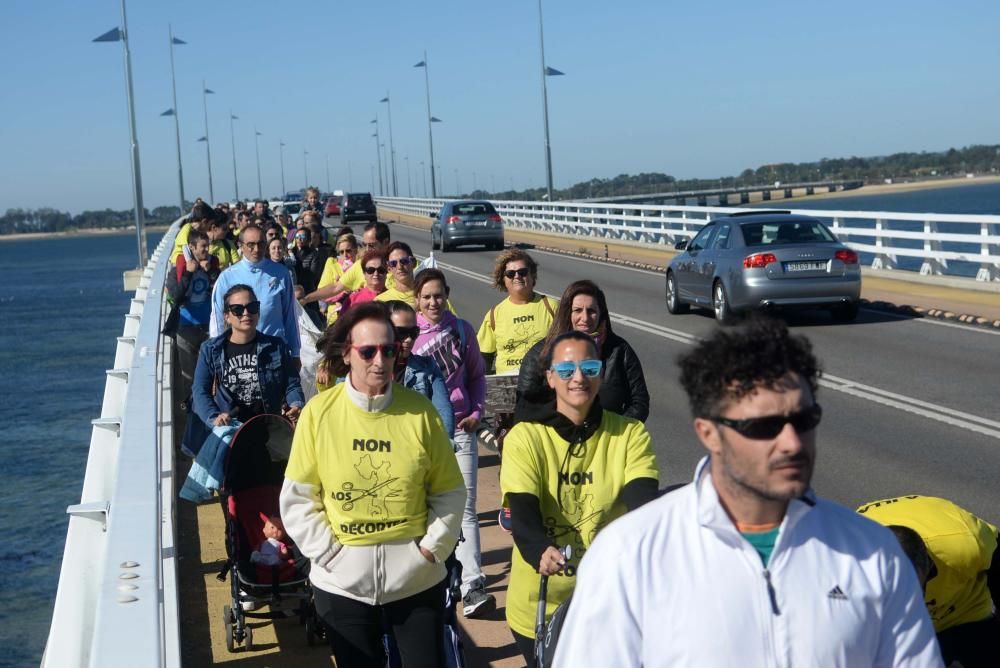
336, 339
733, 362
505, 258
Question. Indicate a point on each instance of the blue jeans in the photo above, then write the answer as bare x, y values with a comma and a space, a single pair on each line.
467, 453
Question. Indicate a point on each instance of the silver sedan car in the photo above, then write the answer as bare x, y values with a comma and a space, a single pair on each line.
763, 260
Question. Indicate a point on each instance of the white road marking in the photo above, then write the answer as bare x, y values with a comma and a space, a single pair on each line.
931, 411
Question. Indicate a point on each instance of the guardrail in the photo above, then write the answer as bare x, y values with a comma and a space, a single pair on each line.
116, 604
931, 243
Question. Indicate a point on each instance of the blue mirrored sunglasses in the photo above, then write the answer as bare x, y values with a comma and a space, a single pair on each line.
589, 368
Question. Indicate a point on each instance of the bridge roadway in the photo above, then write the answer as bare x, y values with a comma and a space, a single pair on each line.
910, 406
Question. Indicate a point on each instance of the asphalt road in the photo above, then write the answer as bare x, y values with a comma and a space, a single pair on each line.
910, 406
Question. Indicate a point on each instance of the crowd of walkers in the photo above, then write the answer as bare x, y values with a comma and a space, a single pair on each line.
744, 565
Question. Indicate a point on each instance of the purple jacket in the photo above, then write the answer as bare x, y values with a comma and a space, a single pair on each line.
459, 359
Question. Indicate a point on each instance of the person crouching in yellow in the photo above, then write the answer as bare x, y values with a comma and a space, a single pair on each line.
373, 496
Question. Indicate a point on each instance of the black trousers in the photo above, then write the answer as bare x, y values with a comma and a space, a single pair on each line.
355, 629
526, 646
973, 645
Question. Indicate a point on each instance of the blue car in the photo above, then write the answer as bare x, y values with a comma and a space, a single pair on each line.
466, 222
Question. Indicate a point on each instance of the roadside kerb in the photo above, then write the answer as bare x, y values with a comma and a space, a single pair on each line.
904, 293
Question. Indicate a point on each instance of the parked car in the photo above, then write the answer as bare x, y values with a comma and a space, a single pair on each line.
332, 207
357, 206
762, 260
466, 222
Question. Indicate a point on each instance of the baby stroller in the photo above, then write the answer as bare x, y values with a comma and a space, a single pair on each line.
254, 472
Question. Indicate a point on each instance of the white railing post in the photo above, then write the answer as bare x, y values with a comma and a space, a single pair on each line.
988, 271
883, 259
932, 264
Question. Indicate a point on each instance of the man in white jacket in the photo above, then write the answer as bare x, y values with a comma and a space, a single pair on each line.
745, 566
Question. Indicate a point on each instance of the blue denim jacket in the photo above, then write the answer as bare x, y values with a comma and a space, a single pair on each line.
279, 380
423, 375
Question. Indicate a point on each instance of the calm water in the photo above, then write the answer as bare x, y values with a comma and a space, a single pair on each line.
61, 307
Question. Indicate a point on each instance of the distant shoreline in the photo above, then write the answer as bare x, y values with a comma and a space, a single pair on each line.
101, 231
893, 188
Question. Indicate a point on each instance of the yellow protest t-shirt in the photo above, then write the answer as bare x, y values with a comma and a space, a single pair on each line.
374, 470
962, 547
391, 294
518, 327
180, 241
588, 483
225, 251
332, 272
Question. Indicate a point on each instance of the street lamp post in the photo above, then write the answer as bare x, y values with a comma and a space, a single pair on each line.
546, 72
232, 138
423, 172
430, 121
177, 122
409, 184
378, 154
281, 160
385, 166
116, 35
256, 149
392, 148
205, 92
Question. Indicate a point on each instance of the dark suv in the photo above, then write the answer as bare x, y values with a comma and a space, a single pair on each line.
357, 206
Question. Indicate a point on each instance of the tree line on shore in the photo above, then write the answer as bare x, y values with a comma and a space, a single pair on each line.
979, 159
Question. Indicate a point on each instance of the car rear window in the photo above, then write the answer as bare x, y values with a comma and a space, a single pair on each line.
790, 232
292, 209
359, 200
474, 209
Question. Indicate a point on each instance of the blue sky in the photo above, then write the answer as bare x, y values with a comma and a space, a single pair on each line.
690, 89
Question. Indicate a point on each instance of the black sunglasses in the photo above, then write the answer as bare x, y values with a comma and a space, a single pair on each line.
253, 308
522, 272
769, 426
368, 353
406, 332
372, 270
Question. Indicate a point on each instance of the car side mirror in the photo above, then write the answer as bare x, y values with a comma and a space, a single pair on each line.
681, 245
434, 216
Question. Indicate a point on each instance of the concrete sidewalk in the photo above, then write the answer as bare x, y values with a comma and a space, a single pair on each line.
938, 296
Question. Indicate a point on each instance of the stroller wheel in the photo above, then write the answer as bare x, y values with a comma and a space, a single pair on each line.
310, 632
249, 639
227, 620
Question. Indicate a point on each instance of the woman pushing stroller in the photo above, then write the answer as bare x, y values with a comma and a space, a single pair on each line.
565, 475
373, 496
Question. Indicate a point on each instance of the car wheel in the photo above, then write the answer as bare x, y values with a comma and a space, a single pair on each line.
674, 304
720, 304
846, 312
434, 242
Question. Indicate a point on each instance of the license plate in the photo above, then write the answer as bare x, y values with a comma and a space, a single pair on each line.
359, 211
477, 223
805, 266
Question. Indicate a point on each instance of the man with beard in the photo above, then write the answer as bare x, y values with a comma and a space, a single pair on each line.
746, 566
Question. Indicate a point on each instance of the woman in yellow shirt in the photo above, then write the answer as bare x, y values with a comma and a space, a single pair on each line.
565, 477
401, 264
373, 496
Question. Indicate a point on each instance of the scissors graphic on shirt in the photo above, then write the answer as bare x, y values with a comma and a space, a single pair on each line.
363, 493
556, 530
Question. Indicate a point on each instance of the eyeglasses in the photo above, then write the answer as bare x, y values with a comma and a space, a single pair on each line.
367, 353
372, 270
253, 308
589, 368
344, 251
769, 426
406, 332
252, 244
301, 237
522, 272
401, 262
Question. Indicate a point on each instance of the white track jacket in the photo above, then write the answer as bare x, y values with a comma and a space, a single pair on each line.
675, 584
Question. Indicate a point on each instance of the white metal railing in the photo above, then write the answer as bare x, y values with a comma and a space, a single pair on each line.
116, 604
874, 232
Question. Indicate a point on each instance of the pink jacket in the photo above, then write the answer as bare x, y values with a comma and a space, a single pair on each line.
460, 362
